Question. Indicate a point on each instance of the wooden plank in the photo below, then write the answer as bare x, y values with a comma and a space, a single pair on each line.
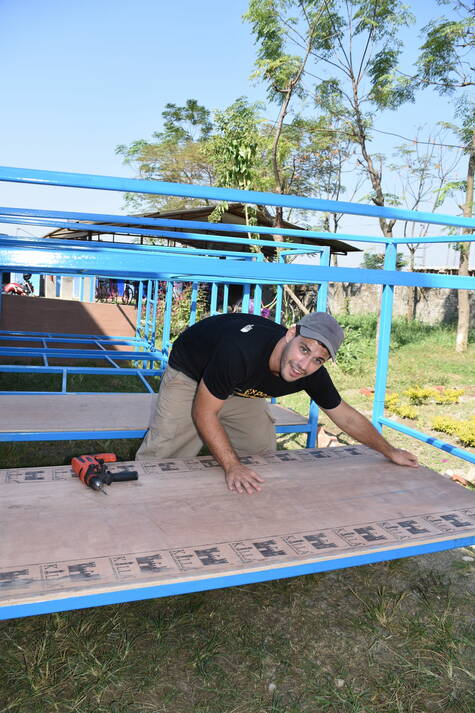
92, 412
283, 416
41, 314
66, 546
53, 413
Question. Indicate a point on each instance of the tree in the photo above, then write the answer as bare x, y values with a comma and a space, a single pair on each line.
177, 154
375, 261
423, 169
445, 64
351, 48
282, 71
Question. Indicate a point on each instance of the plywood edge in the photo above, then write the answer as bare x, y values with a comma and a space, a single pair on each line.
348, 559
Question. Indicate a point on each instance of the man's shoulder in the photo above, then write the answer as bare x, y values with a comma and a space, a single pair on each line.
239, 324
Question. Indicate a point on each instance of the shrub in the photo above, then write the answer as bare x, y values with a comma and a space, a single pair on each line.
419, 394
464, 430
448, 396
406, 411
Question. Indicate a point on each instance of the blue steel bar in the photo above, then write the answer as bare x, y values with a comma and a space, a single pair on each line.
91, 354
465, 238
167, 318
155, 300
322, 304
436, 442
385, 318
20, 369
231, 580
148, 301
106, 218
258, 291
165, 223
138, 324
134, 185
92, 288
225, 297
213, 306
193, 303
70, 435
159, 233
246, 297
52, 244
99, 339
69, 337
70, 259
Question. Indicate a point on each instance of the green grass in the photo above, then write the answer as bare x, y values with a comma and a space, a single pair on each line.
393, 637
377, 639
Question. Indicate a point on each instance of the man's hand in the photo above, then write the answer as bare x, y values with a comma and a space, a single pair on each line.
401, 457
242, 479
358, 427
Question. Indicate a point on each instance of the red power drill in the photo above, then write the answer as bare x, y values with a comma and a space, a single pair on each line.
92, 470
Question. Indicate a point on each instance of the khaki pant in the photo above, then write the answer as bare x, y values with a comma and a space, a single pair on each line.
172, 433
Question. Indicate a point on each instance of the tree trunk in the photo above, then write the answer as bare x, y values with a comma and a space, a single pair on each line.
412, 290
463, 323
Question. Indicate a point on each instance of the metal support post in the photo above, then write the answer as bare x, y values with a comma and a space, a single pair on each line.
384, 341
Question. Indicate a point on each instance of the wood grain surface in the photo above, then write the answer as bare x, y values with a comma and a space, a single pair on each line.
179, 522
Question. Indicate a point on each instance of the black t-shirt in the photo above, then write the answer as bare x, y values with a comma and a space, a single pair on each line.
231, 353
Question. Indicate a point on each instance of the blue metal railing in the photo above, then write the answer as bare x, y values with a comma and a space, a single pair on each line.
154, 263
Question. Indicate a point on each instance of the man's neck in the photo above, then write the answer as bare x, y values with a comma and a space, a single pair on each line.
276, 354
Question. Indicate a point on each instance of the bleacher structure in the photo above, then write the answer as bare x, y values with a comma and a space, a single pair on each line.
31, 583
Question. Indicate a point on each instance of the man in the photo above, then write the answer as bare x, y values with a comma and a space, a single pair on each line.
220, 372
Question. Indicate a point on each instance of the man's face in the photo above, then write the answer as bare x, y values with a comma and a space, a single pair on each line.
301, 357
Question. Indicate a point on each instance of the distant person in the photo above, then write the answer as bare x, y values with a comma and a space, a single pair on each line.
220, 372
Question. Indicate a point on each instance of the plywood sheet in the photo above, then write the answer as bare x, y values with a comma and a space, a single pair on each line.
93, 412
40, 314
75, 412
283, 416
178, 522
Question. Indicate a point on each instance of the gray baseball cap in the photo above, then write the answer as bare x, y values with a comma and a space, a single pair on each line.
324, 328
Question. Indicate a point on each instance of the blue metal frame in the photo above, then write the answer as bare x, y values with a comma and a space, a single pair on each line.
119, 596
151, 264
169, 264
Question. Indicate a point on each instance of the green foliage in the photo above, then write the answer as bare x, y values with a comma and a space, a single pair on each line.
389, 89
445, 64
446, 48
448, 396
393, 404
181, 308
464, 430
358, 345
177, 154
375, 261
234, 149
419, 394
181, 123
392, 399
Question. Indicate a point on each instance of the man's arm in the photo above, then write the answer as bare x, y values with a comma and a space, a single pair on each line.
205, 410
358, 427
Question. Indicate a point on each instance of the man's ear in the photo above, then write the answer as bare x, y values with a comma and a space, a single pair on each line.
291, 333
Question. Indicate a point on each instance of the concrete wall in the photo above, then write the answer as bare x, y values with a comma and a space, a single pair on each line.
432, 305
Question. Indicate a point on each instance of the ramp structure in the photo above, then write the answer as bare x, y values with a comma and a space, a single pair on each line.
177, 529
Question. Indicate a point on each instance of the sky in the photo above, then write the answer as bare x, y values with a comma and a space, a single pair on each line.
80, 77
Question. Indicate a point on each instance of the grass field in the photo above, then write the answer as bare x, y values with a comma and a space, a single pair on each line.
392, 637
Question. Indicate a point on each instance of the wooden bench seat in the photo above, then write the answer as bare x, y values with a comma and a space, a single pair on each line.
69, 416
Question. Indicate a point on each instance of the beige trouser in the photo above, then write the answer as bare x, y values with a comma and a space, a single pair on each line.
172, 433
